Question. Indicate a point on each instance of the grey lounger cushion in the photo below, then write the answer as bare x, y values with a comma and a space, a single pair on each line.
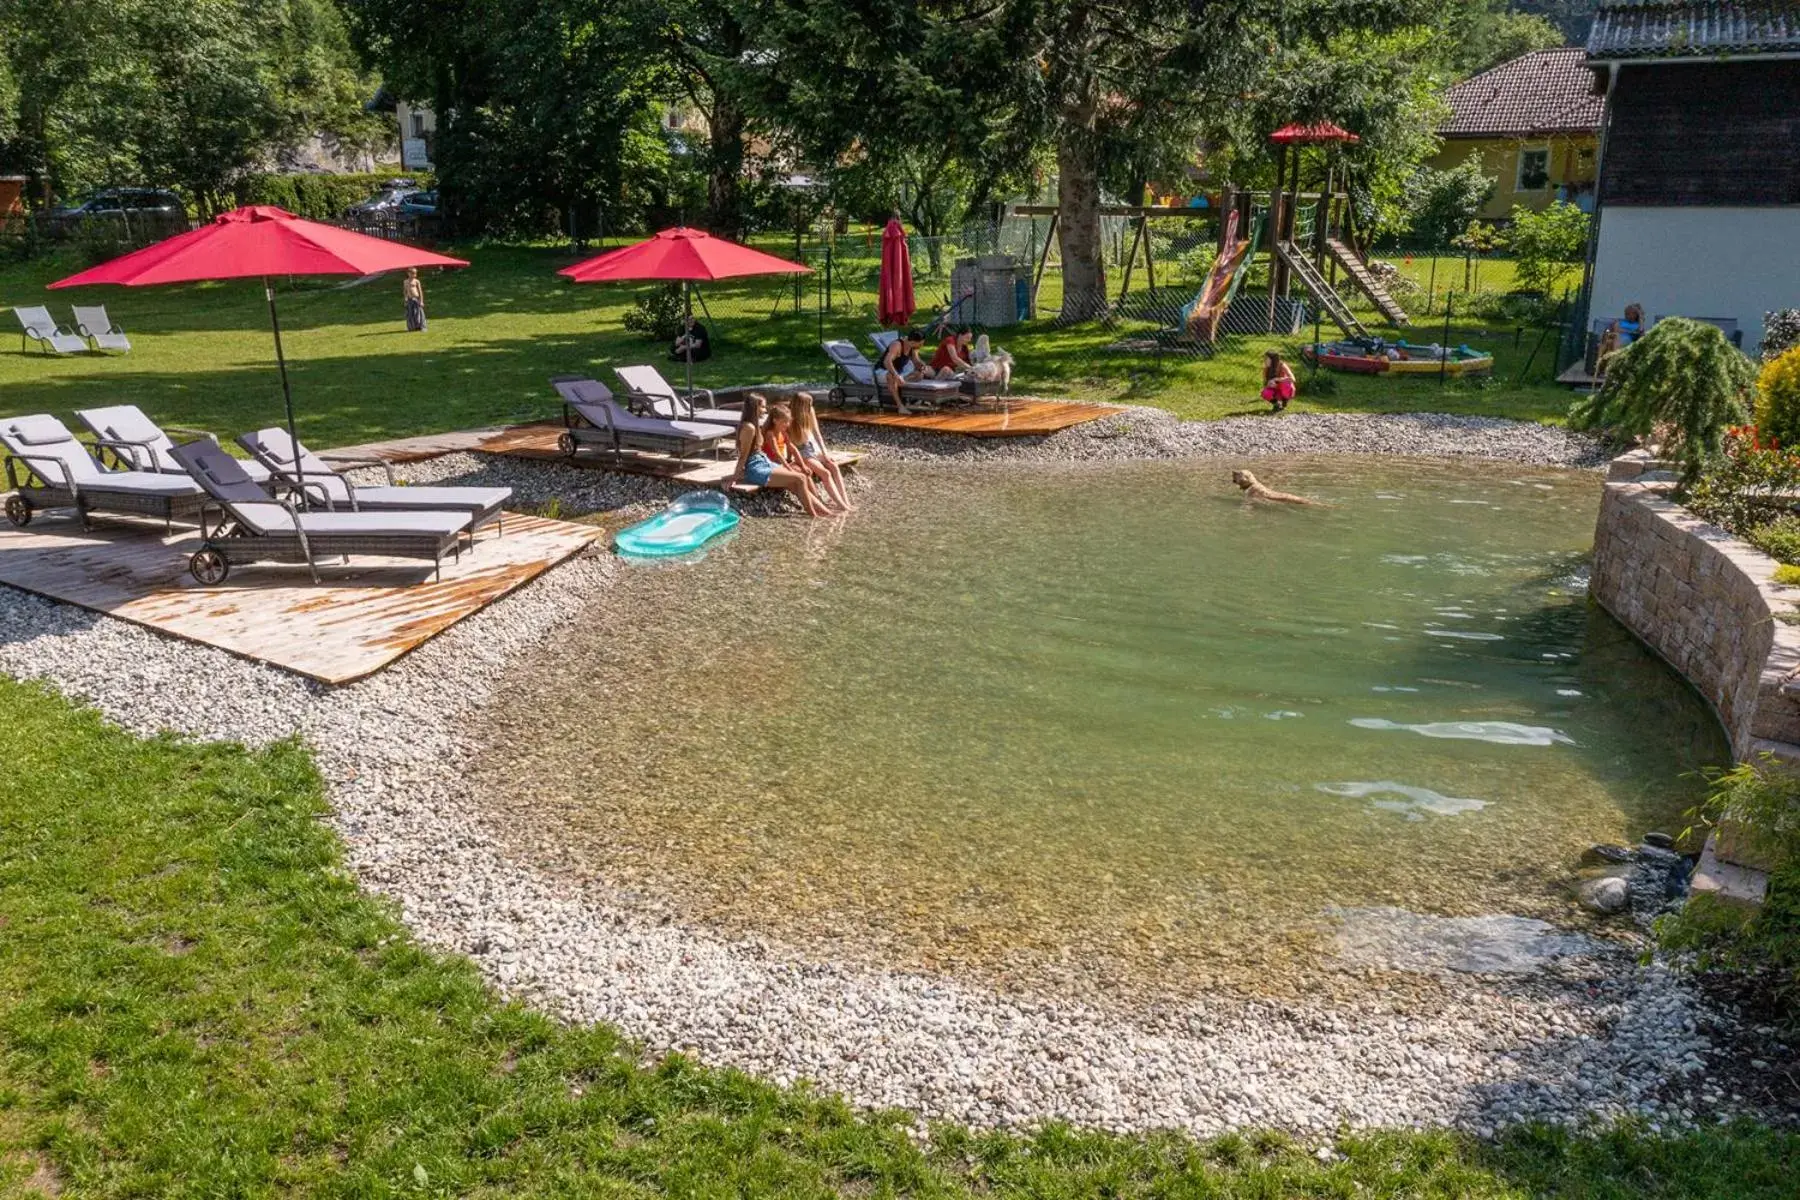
41, 436
225, 480
665, 401
277, 451
128, 423
594, 402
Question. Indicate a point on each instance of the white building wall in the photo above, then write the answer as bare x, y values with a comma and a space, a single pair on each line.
1698, 262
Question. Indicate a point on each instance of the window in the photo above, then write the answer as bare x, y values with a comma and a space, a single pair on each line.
418, 125
1534, 170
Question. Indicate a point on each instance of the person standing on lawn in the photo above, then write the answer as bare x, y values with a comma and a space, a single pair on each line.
414, 291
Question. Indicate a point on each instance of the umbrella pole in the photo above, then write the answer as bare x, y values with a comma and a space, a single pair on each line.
687, 343
287, 393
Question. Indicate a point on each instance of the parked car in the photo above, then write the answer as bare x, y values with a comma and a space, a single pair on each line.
419, 204
385, 201
152, 206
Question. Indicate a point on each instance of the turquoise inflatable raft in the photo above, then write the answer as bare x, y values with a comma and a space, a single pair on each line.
682, 528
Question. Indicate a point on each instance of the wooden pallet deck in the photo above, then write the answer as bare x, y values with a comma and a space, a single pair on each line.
538, 442
361, 618
1020, 418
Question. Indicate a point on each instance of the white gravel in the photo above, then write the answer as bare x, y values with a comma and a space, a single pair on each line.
1591, 1037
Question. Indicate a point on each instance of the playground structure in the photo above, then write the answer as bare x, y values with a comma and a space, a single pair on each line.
1309, 237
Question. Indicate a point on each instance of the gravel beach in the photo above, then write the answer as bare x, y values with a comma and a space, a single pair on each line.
1587, 1035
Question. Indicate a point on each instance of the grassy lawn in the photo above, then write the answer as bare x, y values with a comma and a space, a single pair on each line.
195, 1000
202, 353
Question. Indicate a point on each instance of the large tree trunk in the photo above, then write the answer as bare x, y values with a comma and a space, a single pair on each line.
1078, 223
724, 181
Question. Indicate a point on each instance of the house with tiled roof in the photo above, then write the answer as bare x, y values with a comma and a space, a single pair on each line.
1698, 210
1534, 121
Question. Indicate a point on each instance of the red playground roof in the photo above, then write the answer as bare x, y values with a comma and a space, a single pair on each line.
1314, 134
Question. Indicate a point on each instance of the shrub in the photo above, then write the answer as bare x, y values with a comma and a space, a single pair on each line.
1683, 381
1779, 539
1781, 331
1778, 398
657, 314
315, 197
1762, 802
1548, 246
1745, 487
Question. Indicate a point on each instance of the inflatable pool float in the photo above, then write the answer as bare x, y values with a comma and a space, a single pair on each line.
682, 528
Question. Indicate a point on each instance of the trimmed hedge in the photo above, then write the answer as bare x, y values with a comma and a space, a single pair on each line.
317, 197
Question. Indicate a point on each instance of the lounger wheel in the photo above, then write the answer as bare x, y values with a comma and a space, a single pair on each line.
208, 567
565, 442
835, 397
18, 510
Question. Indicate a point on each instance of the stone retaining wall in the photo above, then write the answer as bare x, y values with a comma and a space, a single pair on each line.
1705, 602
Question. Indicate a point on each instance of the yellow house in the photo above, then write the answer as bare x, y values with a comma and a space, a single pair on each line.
1535, 123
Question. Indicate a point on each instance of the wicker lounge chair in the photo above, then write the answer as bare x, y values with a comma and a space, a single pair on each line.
649, 394
36, 325
58, 472
860, 382
326, 489
593, 418
132, 441
253, 527
101, 333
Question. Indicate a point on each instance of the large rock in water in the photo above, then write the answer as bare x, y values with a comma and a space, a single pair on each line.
1608, 894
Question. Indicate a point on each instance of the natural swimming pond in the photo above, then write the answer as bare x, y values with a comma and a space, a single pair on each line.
1106, 728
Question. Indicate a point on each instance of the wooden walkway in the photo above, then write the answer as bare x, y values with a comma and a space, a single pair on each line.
361, 618
538, 443
1020, 418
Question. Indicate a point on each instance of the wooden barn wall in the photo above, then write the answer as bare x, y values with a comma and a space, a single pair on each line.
1705, 134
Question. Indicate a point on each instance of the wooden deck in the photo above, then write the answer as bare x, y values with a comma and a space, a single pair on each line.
1020, 418
538, 442
361, 618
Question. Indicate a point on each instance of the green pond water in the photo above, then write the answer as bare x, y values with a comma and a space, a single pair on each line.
1102, 729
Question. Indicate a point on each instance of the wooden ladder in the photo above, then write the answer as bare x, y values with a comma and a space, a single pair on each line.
1330, 301
1371, 286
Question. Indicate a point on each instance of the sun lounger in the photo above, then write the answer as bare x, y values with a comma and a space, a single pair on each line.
254, 527
860, 381
36, 326
593, 418
325, 488
98, 328
649, 394
134, 442
58, 472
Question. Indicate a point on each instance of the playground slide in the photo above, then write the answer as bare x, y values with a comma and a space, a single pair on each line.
1208, 308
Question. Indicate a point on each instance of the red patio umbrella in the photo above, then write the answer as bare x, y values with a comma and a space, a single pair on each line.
680, 255
1315, 134
259, 240
894, 303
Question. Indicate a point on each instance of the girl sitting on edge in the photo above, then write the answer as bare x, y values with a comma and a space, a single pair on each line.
813, 456
758, 451
1278, 381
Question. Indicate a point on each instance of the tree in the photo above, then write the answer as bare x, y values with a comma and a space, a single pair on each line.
1683, 381
1477, 34
1441, 204
1548, 246
191, 95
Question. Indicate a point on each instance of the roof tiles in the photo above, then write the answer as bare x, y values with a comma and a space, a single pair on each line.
1544, 92
1686, 29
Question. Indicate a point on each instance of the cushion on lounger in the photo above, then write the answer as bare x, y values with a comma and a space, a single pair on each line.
474, 499
39, 430
221, 475
425, 524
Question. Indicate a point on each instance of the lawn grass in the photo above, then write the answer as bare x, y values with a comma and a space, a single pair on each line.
202, 353
196, 1000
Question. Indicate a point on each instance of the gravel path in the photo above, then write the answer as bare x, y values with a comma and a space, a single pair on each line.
1592, 1036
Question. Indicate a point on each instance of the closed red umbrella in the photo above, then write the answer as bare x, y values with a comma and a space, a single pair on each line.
259, 240
680, 255
894, 303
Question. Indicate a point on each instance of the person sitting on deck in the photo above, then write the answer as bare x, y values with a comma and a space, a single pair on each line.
901, 355
1278, 381
814, 458
951, 360
758, 451
691, 340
